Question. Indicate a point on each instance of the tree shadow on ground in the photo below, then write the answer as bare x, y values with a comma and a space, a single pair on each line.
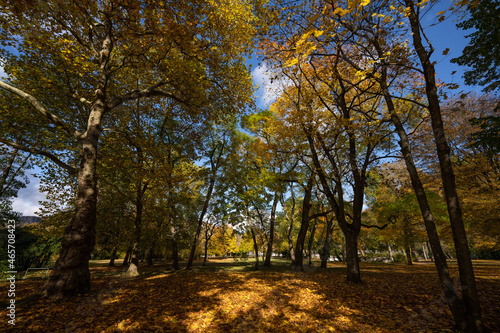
392, 298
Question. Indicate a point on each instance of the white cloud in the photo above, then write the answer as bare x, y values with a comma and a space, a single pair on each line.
2, 72
27, 198
268, 90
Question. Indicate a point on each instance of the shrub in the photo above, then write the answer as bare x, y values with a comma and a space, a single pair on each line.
399, 257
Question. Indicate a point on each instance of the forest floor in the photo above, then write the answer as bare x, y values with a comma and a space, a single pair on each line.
229, 296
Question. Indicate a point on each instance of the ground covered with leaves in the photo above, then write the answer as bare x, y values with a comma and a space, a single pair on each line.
228, 296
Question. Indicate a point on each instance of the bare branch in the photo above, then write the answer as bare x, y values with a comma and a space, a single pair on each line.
375, 226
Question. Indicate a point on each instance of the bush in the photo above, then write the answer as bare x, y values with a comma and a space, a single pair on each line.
487, 254
399, 257
242, 256
31, 250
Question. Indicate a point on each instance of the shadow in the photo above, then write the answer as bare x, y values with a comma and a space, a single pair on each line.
218, 298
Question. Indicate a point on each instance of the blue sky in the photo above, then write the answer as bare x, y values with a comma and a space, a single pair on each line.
444, 35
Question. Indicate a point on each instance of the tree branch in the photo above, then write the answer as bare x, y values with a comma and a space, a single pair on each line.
71, 170
135, 94
40, 108
82, 100
320, 214
375, 226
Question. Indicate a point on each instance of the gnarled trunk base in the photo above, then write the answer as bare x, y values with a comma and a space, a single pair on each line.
71, 275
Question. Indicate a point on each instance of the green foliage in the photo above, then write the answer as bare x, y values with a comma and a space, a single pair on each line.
487, 137
399, 257
32, 248
485, 253
483, 51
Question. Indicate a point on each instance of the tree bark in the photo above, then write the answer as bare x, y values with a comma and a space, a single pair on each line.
255, 248
269, 251
310, 243
424, 251
134, 265
175, 253
205, 256
71, 275
431, 255
113, 257
290, 227
409, 260
362, 250
327, 246
304, 225
412, 248
149, 257
127, 256
390, 251
351, 255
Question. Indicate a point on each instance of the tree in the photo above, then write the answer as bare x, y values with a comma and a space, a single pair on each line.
482, 53
472, 308
395, 208
475, 162
195, 60
217, 144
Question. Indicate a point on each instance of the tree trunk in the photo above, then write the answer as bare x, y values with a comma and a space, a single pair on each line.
412, 248
113, 257
350, 230
390, 251
205, 256
200, 223
269, 251
344, 249
408, 255
70, 275
290, 244
472, 310
127, 256
255, 248
290, 227
304, 225
351, 255
424, 251
431, 255
175, 254
150, 254
362, 250
327, 246
310, 243
132, 269
440, 259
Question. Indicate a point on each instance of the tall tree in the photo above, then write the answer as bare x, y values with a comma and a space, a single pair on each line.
472, 308
195, 59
